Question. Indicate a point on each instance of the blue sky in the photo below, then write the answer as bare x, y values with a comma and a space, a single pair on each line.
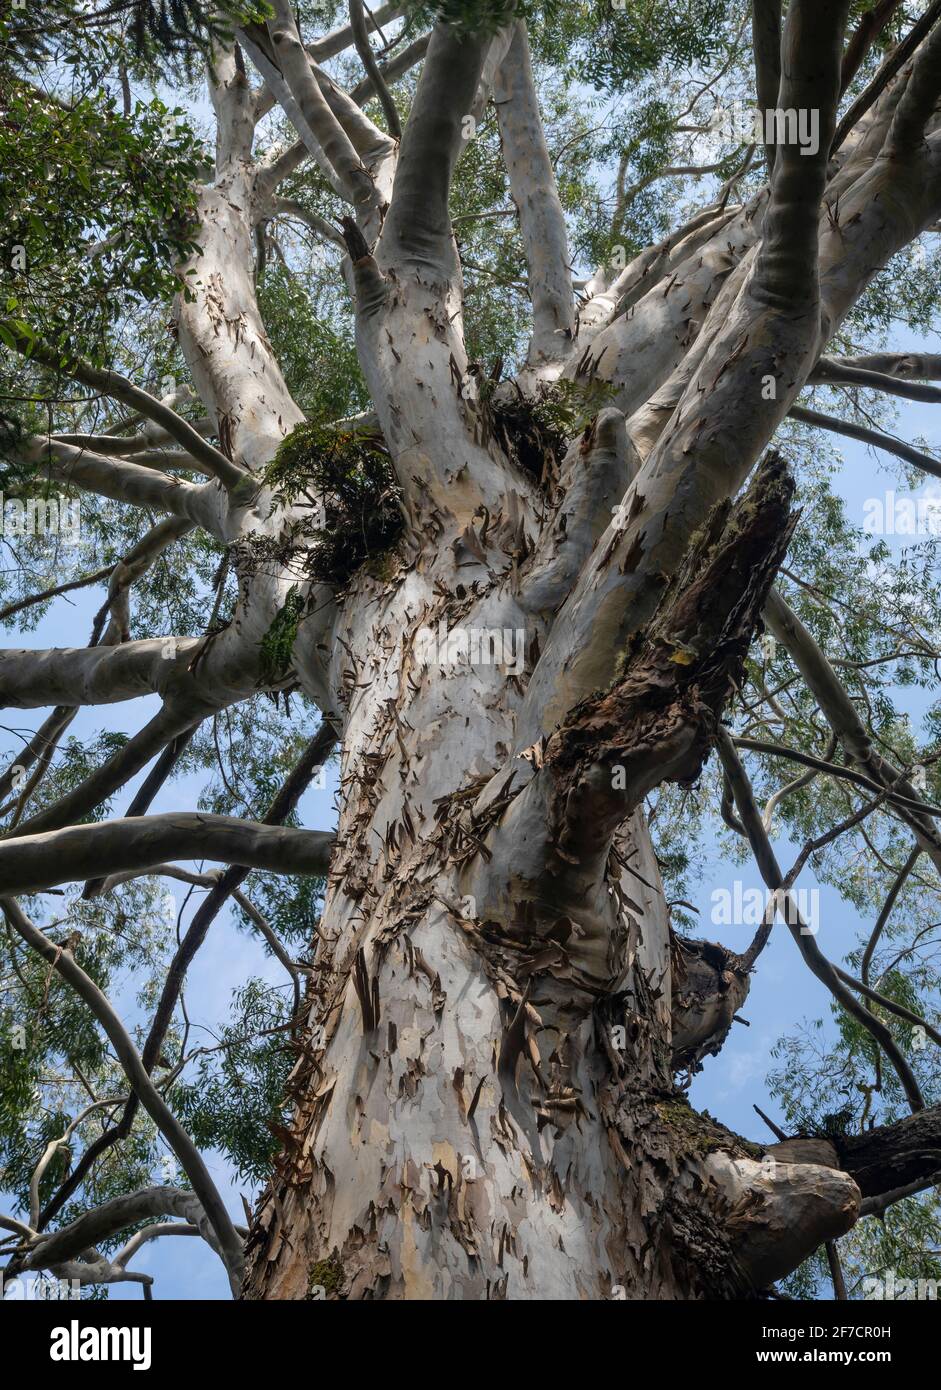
783, 991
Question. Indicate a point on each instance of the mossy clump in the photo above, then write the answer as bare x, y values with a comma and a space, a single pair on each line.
326, 1275
347, 480
278, 642
535, 431
699, 1133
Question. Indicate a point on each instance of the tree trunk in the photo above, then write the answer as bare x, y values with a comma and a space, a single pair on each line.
484, 1096
489, 1095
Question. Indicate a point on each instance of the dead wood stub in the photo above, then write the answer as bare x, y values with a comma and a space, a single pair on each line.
679, 674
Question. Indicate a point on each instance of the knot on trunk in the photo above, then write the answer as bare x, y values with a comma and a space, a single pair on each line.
776, 1214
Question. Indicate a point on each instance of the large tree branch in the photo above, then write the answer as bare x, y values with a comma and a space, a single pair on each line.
894, 1156
374, 147
892, 65
286, 66
123, 481
330, 46
889, 203
657, 315
195, 676
290, 208
648, 424
870, 26
417, 229
655, 723
234, 103
373, 71
534, 191
812, 48
130, 758
875, 438
836, 371
884, 204
771, 334
865, 142
595, 475
269, 63
73, 676
222, 334
33, 863
271, 172
766, 43
119, 388
890, 1005
903, 365
650, 268
918, 101
104, 1222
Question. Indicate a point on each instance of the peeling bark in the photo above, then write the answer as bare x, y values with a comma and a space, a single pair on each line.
485, 1103
485, 1099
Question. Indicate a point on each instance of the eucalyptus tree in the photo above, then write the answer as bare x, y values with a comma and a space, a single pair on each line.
455, 394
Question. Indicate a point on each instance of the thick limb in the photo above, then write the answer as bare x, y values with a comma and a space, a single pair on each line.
110, 1219
903, 366
832, 370
868, 29
119, 388
318, 124
417, 230
74, 676
33, 863
534, 191
766, 44
374, 73
874, 438
551, 847
124, 481
891, 66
